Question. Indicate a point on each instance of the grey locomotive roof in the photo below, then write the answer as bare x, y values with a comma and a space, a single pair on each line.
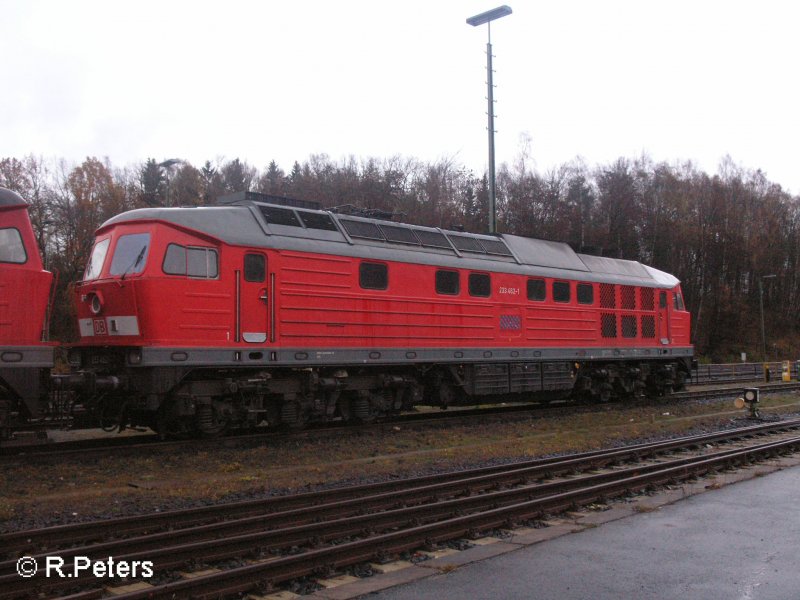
256, 224
9, 198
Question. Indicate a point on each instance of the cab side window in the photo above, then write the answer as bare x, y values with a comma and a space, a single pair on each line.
255, 267
480, 285
537, 291
679, 303
373, 276
561, 291
585, 293
202, 263
447, 283
12, 250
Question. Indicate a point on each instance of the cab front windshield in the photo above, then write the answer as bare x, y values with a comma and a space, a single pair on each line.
130, 255
97, 259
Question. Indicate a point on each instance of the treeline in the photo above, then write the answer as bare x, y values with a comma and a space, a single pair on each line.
719, 234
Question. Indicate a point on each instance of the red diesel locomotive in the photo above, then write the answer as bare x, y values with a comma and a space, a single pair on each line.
196, 319
25, 356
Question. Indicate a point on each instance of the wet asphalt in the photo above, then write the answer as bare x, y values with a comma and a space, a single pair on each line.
741, 542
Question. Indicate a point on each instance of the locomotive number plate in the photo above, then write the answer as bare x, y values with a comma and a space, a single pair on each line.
509, 290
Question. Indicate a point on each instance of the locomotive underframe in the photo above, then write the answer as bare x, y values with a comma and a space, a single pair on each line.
189, 400
24, 373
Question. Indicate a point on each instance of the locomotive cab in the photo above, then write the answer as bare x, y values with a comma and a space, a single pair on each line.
137, 275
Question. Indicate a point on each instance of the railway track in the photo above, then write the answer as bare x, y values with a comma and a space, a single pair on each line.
237, 548
103, 446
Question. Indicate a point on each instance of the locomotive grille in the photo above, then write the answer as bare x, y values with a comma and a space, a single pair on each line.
647, 299
465, 243
432, 239
607, 296
627, 295
628, 326
608, 325
495, 247
362, 229
279, 216
648, 326
401, 235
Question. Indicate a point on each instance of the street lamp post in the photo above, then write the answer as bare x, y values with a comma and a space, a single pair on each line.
761, 304
167, 166
487, 17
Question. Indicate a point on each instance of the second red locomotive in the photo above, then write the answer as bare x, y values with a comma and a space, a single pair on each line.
26, 356
196, 319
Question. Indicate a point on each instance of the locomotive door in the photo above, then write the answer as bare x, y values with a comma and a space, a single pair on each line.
254, 299
664, 332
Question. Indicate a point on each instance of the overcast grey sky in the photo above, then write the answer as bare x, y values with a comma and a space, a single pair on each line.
261, 80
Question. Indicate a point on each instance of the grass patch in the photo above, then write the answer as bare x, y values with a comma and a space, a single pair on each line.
6, 510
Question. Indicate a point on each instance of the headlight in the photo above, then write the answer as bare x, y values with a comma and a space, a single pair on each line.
135, 356
95, 304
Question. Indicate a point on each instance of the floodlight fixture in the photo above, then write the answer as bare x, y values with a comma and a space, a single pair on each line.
489, 15
167, 166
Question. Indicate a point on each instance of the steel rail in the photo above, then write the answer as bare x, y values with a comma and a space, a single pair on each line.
430, 508
246, 578
17, 542
229, 540
58, 536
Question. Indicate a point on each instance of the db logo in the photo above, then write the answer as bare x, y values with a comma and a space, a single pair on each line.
100, 327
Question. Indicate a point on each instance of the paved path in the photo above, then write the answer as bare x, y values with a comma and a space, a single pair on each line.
741, 542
